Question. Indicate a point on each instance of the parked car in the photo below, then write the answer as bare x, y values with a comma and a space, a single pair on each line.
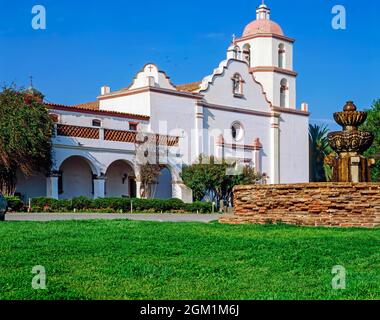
3, 207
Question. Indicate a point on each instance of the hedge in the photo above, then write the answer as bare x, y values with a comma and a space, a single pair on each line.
83, 204
14, 204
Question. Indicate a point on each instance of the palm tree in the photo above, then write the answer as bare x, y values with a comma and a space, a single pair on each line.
319, 150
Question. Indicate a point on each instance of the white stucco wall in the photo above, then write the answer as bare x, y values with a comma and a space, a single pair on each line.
133, 103
220, 89
294, 148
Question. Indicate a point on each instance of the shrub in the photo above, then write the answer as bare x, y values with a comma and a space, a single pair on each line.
43, 204
198, 206
15, 204
83, 204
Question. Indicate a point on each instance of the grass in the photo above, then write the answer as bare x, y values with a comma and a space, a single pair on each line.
147, 260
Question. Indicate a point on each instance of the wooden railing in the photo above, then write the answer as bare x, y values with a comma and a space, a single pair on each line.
77, 132
115, 135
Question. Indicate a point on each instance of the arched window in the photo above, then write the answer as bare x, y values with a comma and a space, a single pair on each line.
237, 81
281, 56
284, 94
237, 53
247, 53
237, 131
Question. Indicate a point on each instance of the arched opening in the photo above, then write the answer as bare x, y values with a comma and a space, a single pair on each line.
247, 53
237, 53
76, 178
120, 180
284, 93
164, 185
281, 55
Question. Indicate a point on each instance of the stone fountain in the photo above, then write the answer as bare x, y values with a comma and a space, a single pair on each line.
350, 165
349, 201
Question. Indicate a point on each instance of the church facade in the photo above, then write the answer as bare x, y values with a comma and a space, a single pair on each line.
244, 110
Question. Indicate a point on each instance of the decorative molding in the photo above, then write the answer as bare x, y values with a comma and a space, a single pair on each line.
207, 81
234, 109
274, 69
291, 111
266, 35
234, 146
96, 149
118, 94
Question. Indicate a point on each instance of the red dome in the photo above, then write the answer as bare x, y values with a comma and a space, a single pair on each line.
262, 26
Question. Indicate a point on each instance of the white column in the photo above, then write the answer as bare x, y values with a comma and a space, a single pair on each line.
275, 148
99, 187
199, 116
52, 186
257, 147
101, 133
138, 189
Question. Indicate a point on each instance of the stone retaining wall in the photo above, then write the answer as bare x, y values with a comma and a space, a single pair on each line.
313, 204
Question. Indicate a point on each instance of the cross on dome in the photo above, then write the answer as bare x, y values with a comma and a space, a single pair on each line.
263, 12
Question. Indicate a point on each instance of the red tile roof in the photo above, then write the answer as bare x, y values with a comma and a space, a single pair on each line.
189, 87
94, 105
86, 108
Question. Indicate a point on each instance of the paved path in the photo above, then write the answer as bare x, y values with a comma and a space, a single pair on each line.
205, 218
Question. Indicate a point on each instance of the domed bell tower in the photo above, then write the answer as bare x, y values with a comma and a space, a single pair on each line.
269, 54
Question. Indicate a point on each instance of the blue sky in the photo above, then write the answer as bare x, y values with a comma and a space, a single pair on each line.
91, 43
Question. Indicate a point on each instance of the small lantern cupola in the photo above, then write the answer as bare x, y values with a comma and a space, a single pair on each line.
263, 12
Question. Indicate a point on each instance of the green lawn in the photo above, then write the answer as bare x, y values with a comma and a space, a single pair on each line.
143, 260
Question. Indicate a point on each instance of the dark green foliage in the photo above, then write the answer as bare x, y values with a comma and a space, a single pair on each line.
14, 204
25, 137
83, 204
215, 177
199, 207
373, 125
319, 150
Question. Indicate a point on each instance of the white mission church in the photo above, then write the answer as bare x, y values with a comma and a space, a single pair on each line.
246, 110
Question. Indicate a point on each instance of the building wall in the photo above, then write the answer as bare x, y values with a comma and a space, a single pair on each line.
133, 103
108, 122
294, 148
220, 88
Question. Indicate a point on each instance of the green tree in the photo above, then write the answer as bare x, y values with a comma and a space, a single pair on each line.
217, 178
26, 131
373, 125
149, 175
319, 151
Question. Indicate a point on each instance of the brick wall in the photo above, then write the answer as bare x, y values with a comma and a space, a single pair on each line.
313, 204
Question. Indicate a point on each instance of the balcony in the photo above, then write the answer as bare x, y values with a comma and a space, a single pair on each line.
114, 135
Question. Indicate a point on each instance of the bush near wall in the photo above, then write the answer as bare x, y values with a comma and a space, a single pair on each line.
14, 204
112, 205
